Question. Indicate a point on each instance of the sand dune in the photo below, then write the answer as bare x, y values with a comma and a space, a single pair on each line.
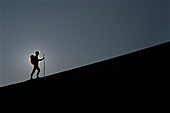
138, 69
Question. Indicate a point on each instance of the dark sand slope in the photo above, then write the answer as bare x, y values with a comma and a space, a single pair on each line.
141, 71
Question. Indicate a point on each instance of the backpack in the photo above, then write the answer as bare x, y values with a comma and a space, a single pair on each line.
32, 59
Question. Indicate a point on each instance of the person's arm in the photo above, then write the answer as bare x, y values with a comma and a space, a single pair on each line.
41, 59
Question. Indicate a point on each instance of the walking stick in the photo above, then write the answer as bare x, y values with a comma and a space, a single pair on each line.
44, 64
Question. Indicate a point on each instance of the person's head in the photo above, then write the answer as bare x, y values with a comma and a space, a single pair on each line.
37, 53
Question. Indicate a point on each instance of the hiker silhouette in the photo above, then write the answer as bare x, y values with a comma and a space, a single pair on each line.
35, 62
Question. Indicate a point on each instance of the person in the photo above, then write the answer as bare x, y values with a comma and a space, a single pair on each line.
35, 63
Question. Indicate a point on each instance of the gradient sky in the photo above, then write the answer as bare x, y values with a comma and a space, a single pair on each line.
74, 33
0, 42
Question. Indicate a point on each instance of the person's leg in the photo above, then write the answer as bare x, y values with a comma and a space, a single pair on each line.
38, 72
33, 71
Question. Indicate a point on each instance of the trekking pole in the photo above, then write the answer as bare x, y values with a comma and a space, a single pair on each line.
44, 63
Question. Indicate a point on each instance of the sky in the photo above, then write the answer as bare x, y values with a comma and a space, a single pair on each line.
0, 42
74, 33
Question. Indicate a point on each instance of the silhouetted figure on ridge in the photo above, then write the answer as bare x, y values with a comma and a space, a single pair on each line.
35, 62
